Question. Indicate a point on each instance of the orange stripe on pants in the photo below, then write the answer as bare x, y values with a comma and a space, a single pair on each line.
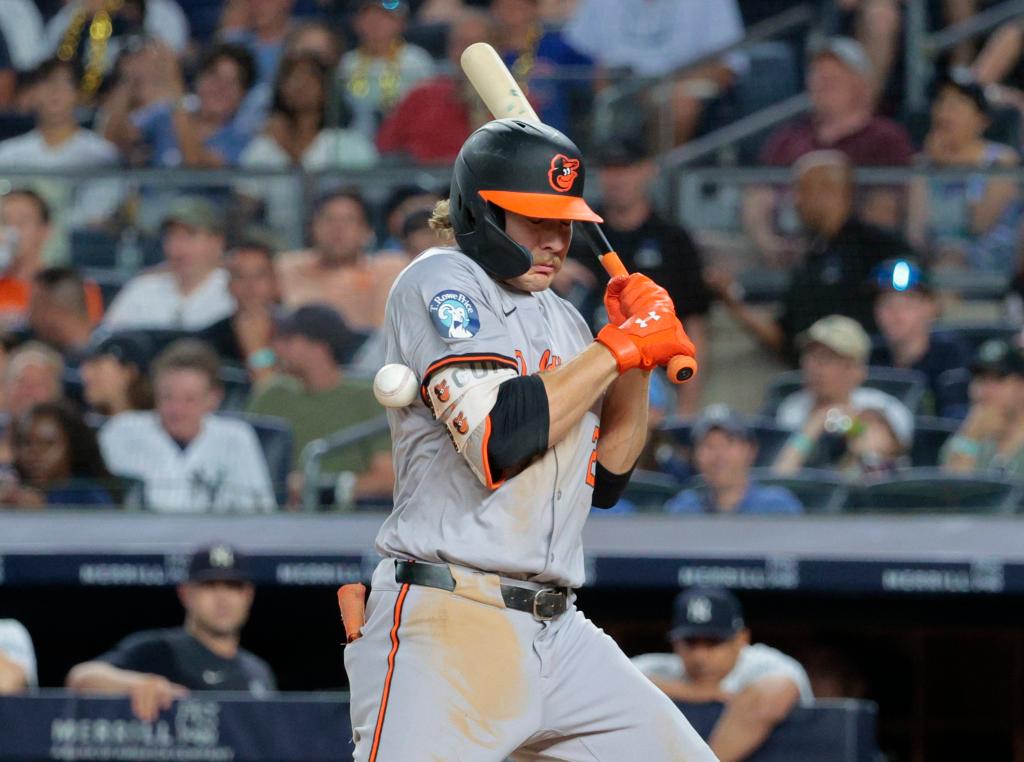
391, 671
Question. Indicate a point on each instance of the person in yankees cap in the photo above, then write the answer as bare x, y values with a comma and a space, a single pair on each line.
473, 648
155, 667
713, 659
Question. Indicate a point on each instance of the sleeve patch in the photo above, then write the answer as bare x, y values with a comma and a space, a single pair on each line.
454, 315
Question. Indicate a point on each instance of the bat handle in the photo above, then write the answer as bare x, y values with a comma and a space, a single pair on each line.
681, 368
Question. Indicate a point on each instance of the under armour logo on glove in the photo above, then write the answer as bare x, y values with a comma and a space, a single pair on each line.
650, 316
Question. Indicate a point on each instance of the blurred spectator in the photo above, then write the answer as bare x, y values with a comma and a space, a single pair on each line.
833, 275
713, 660
62, 311
384, 67
646, 243
655, 40
190, 460
21, 26
156, 667
403, 200
318, 38
297, 135
339, 270
17, 658
969, 223
92, 33
57, 461
174, 128
834, 363
417, 235
191, 292
34, 374
59, 143
839, 83
261, 26
906, 310
725, 449
114, 375
535, 55
25, 218
998, 67
244, 337
317, 399
992, 436
8, 76
433, 120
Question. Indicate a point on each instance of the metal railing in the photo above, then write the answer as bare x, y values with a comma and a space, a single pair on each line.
314, 452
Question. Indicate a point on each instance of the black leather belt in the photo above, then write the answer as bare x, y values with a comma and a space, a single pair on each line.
544, 604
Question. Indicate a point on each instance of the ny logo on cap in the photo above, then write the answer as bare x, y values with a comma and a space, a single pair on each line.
698, 610
222, 556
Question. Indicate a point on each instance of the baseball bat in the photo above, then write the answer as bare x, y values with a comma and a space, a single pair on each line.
504, 98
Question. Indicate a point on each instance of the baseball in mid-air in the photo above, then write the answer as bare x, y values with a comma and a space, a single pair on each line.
395, 385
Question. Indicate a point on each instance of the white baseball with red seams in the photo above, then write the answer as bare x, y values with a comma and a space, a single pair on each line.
395, 385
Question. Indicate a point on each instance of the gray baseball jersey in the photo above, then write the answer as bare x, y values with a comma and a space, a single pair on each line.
445, 309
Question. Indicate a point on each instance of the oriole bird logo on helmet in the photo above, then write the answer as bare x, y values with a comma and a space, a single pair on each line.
563, 172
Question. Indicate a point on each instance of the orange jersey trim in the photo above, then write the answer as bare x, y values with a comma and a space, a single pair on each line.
399, 603
491, 483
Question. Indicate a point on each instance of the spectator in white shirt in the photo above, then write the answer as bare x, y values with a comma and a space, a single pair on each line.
191, 292
22, 27
713, 660
17, 658
58, 142
190, 460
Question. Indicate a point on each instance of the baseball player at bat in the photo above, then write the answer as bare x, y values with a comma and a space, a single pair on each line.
472, 648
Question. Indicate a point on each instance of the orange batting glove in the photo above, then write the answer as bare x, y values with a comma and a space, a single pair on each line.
650, 338
625, 292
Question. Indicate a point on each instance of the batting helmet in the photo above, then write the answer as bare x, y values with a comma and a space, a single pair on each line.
510, 165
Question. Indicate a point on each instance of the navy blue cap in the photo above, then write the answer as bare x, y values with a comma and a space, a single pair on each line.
126, 348
961, 79
218, 562
901, 275
723, 418
997, 357
706, 612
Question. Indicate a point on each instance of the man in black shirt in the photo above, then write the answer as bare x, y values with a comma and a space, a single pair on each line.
645, 243
833, 275
905, 310
156, 667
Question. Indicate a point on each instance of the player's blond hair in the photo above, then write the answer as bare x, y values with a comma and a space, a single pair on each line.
441, 222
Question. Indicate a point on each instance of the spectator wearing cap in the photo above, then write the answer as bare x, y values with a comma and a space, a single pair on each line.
189, 460
34, 373
313, 394
17, 658
191, 290
157, 667
60, 311
840, 83
724, 450
401, 202
417, 235
645, 242
114, 374
905, 311
991, 438
968, 223
338, 269
244, 337
834, 353
433, 120
261, 27
383, 68
833, 274
714, 660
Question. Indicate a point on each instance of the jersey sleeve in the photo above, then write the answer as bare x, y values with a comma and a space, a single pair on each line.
141, 652
444, 311
16, 645
759, 662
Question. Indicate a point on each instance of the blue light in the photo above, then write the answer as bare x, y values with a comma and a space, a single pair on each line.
901, 276
390, 5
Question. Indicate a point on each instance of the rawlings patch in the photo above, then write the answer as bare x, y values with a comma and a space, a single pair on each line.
454, 315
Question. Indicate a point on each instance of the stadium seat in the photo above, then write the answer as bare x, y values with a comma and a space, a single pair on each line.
929, 435
772, 77
770, 437
109, 281
929, 490
13, 124
432, 37
100, 249
648, 490
236, 388
818, 490
976, 334
276, 440
908, 386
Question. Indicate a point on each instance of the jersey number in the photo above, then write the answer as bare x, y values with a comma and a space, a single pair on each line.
592, 465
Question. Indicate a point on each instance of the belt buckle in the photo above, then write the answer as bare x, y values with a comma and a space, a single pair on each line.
538, 602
